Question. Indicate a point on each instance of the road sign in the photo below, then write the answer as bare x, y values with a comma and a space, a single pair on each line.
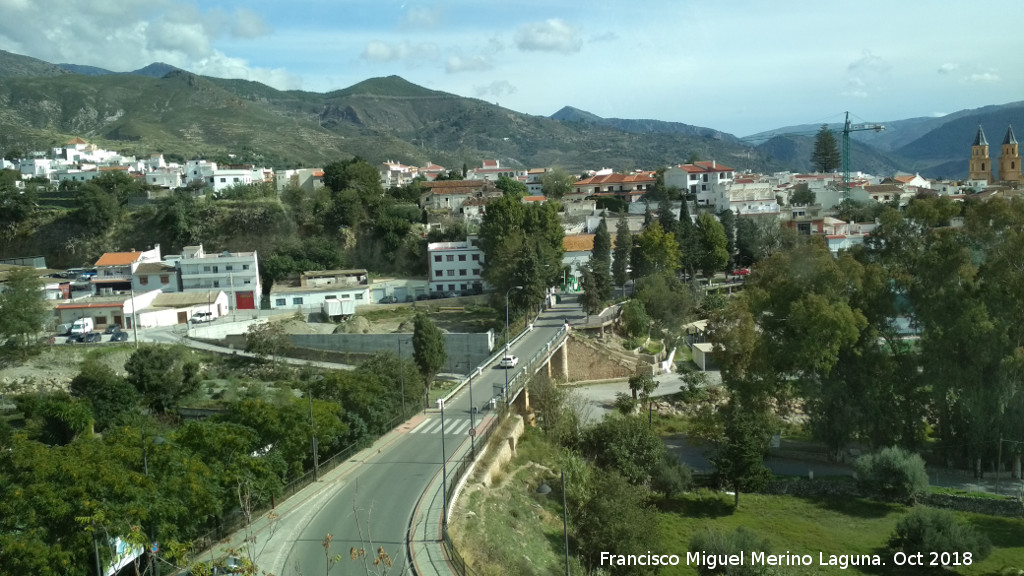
472, 431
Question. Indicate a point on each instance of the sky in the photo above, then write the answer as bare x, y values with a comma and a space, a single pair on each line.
739, 66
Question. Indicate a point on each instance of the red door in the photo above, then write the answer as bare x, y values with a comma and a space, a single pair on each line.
245, 301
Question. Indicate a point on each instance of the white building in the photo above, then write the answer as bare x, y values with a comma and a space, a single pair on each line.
315, 288
699, 178
492, 170
747, 198
156, 275
455, 266
236, 272
393, 174
115, 270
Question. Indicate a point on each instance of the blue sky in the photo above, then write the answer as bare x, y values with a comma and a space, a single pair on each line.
740, 66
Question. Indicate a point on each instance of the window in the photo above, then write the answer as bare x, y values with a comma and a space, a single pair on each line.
223, 179
462, 287
439, 273
216, 283
476, 271
216, 269
165, 279
451, 272
462, 257
693, 176
247, 282
462, 272
280, 302
450, 258
229, 268
437, 257
206, 268
704, 187
476, 257
236, 180
451, 287
297, 301
144, 280
245, 266
359, 296
705, 177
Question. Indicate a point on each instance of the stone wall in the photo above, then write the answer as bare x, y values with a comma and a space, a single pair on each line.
1008, 507
505, 448
465, 351
589, 361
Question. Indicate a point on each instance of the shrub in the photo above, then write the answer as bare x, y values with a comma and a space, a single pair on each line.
625, 444
927, 530
718, 543
892, 474
671, 477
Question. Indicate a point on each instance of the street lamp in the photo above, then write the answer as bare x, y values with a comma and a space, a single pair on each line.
312, 428
153, 564
506, 337
444, 472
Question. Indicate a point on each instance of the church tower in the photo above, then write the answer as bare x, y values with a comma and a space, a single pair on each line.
980, 167
1009, 160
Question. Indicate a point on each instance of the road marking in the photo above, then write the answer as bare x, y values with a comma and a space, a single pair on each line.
452, 426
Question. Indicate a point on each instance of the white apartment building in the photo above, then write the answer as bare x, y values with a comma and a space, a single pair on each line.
456, 266
492, 170
699, 178
235, 272
315, 288
749, 198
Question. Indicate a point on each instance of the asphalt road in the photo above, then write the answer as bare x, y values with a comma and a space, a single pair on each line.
385, 488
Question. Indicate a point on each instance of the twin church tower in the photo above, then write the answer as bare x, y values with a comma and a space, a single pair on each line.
1009, 159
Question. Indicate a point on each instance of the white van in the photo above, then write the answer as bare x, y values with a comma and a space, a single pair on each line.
82, 326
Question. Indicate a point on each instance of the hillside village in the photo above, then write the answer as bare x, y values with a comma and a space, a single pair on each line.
120, 283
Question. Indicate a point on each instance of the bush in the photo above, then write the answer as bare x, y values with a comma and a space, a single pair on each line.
927, 530
714, 542
671, 477
625, 444
892, 474
633, 343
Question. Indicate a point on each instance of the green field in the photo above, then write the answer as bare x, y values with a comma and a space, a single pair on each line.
830, 526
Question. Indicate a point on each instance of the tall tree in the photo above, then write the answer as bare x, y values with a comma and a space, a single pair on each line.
22, 306
601, 260
728, 220
655, 251
428, 351
665, 216
590, 300
825, 157
623, 245
740, 460
711, 242
802, 195
522, 246
687, 239
511, 187
556, 183
162, 375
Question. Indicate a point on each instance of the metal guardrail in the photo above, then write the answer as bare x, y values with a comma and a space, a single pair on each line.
458, 564
235, 519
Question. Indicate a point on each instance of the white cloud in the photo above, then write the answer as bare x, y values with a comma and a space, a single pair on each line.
378, 51
477, 63
948, 68
420, 17
248, 24
552, 35
497, 88
986, 77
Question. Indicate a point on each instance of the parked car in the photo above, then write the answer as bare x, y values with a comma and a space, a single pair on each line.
119, 336
75, 339
113, 328
741, 271
93, 337
509, 361
200, 317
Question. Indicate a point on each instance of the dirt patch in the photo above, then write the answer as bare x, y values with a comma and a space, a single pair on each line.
594, 361
53, 369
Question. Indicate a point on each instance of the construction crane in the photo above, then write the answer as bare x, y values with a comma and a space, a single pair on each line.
847, 128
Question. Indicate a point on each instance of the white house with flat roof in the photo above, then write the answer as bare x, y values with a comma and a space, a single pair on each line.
456, 266
235, 272
313, 288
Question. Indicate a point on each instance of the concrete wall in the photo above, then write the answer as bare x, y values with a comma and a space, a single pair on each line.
465, 351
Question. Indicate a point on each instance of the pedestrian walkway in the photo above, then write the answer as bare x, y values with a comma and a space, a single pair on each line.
452, 426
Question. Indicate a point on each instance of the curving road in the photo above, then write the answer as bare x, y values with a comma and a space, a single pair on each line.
386, 485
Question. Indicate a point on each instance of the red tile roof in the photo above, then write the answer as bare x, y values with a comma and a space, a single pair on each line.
701, 167
642, 178
534, 198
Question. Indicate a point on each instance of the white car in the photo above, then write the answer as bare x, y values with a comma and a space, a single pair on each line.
200, 317
509, 362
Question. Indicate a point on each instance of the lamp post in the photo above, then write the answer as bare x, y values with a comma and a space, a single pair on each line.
153, 564
444, 472
506, 337
312, 428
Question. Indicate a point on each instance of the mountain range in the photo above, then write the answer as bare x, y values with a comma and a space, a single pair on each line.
163, 109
